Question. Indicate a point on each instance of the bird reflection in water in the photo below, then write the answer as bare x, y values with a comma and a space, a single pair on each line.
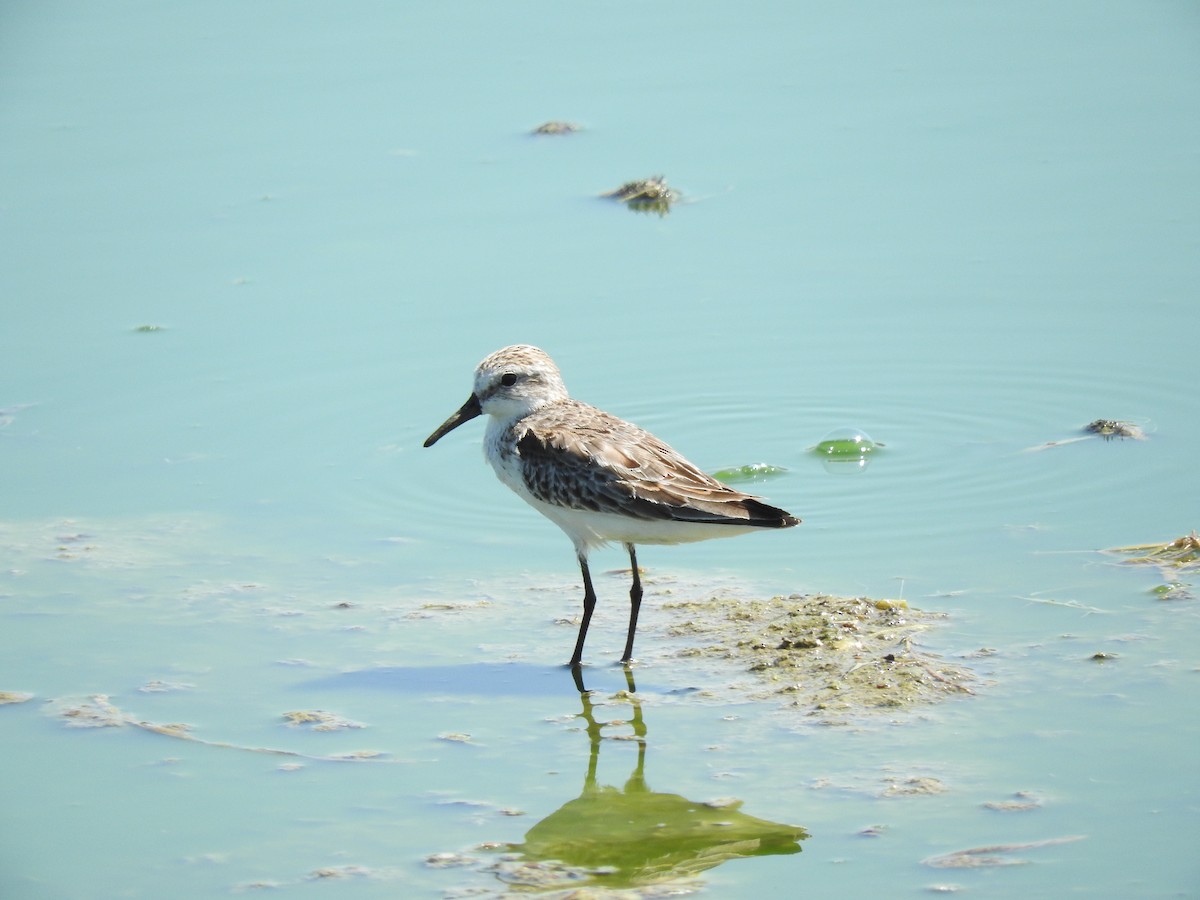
632, 836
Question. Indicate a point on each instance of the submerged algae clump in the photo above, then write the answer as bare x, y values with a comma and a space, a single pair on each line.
1179, 554
1171, 558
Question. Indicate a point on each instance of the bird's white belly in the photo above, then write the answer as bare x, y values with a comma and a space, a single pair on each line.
593, 529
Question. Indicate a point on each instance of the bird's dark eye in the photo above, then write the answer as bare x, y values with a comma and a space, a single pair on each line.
508, 379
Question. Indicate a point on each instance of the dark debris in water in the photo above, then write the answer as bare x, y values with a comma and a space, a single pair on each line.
1021, 801
552, 879
343, 873
993, 855
158, 686
1106, 429
646, 195
555, 127
1112, 428
328, 873
892, 783
827, 656
914, 786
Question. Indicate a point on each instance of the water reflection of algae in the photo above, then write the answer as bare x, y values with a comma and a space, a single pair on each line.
632, 836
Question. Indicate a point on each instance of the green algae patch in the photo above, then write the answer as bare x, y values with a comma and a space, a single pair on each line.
7, 697
825, 656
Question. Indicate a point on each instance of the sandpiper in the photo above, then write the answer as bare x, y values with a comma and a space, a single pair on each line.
597, 477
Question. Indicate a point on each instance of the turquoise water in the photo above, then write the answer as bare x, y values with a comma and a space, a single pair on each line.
967, 230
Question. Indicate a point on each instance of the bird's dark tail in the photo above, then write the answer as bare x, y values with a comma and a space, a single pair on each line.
764, 515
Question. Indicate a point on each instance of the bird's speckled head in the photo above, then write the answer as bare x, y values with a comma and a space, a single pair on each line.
509, 384
515, 381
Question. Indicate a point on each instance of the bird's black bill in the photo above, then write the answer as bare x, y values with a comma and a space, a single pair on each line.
466, 413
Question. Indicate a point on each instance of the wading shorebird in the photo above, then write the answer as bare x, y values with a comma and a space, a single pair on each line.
597, 477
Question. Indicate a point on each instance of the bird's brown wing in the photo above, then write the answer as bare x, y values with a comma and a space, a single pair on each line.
583, 458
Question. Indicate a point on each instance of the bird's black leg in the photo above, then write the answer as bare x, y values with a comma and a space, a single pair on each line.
589, 604
577, 677
635, 604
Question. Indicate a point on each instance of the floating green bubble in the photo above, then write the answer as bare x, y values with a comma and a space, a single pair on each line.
846, 449
846, 442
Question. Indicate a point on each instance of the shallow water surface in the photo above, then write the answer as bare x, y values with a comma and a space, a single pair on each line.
254, 252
